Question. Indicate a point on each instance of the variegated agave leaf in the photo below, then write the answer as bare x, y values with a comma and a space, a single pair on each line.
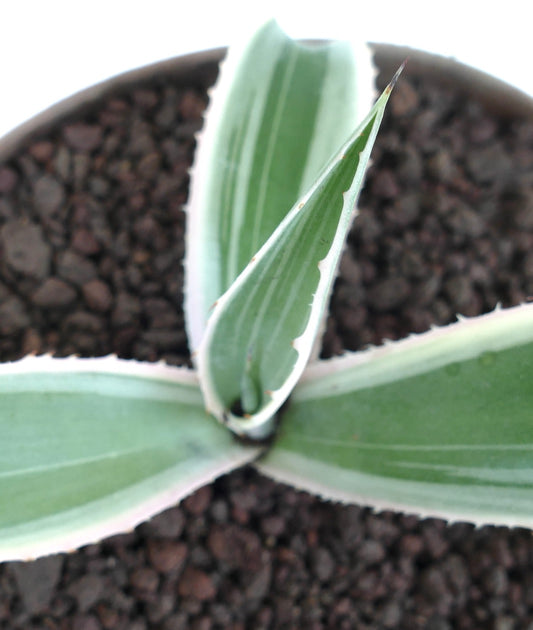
261, 333
95, 446
440, 424
279, 112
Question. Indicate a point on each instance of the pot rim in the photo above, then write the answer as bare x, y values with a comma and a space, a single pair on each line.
201, 68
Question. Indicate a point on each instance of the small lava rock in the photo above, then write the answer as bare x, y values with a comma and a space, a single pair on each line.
166, 555
196, 584
83, 137
54, 293
48, 195
25, 248
98, 295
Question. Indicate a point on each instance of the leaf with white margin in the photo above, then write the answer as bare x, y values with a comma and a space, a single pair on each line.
92, 447
279, 111
440, 424
262, 330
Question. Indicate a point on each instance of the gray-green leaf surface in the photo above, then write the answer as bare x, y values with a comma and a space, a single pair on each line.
91, 448
439, 424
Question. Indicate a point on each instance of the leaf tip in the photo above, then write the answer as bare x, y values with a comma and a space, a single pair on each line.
396, 76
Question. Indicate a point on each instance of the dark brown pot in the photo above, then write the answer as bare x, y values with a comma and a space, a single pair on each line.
202, 68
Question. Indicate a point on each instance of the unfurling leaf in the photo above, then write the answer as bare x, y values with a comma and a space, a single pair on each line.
263, 328
278, 113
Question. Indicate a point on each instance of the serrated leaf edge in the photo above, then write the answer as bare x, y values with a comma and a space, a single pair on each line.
464, 339
261, 424
320, 489
109, 364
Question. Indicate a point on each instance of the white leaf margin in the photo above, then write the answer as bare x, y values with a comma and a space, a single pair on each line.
197, 248
260, 425
80, 525
464, 339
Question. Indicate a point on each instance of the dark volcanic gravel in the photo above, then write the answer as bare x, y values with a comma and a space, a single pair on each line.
91, 227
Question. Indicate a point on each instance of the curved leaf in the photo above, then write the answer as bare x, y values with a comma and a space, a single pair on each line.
261, 333
440, 424
279, 112
92, 447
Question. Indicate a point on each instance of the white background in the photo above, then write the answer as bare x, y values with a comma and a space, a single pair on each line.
50, 49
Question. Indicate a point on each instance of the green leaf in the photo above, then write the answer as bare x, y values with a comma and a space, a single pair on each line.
440, 424
279, 112
93, 447
261, 333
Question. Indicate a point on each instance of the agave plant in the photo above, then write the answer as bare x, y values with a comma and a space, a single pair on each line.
438, 424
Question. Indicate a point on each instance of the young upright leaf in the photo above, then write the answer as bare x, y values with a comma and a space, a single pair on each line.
92, 447
261, 332
440, 424
279, 112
